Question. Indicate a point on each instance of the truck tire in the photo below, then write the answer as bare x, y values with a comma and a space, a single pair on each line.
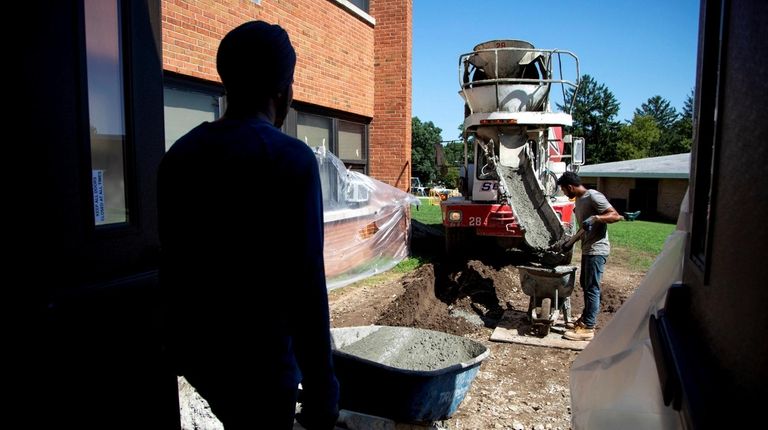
550, 184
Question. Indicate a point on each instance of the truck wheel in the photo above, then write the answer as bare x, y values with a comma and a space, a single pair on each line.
550, 184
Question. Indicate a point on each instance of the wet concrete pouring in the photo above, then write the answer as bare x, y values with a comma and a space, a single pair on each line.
530, 204
518, 386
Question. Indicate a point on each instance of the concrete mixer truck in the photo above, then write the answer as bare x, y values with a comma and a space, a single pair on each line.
514, 150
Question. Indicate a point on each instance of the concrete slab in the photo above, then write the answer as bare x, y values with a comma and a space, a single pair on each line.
515, 327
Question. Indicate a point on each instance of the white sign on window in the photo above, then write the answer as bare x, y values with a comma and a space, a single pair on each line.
98, 195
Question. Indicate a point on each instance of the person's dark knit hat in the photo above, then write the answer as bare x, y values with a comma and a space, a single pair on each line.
256, 60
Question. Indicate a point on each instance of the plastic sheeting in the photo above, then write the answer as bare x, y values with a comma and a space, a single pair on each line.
614, 381
366, 222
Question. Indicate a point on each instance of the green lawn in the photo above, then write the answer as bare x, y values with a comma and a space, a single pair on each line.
409, 264
427, 213
644, 236
637, 243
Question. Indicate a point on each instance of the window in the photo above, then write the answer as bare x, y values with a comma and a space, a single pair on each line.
186, 105
351, 138
314, 130
106, 109
363, 5
346, 138
358, 8
345, 135
706, 126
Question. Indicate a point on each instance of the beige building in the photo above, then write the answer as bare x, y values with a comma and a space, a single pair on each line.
654, 186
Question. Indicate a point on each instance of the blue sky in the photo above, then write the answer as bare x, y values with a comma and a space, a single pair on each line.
638, 49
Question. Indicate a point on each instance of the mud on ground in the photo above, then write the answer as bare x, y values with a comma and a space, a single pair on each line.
518, 386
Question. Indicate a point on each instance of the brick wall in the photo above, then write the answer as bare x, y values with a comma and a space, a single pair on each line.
668, 199
335, 48
616, 188
351, 242
671, 193
390, 131
344, 62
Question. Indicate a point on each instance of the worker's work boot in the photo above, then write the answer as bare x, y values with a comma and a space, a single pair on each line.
580, 332
573, 324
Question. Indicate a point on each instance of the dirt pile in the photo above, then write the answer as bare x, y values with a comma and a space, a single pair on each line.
456, 299
419, 306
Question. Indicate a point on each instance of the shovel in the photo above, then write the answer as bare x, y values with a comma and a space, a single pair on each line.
556, 253
566, 243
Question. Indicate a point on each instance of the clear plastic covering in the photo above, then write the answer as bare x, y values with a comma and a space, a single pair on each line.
614, 382
366, 222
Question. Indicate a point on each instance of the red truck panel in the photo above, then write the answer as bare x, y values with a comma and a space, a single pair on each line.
494, 219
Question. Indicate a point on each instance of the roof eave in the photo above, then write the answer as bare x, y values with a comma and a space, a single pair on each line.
650, 175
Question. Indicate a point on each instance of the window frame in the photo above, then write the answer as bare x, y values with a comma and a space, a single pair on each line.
290, 127
363, 160
180, 82
706, 129
363, 14
184, 82
365, 8
135, 239
130, 225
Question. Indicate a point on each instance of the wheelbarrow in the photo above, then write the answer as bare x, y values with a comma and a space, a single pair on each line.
402, 373
550, 290
631, 216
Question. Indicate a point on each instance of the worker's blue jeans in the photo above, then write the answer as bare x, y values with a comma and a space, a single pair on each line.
592, 267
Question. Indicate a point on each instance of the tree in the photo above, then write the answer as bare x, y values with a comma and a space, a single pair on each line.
675, 128
424, 136
453, 158
638, 138
688, 107
660, 109
594, 112
681, 134
454, 153
449, 175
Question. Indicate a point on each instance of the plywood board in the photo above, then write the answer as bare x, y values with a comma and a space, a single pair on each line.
515, 327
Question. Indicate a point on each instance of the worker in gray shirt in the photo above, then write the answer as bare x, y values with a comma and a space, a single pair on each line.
593, 213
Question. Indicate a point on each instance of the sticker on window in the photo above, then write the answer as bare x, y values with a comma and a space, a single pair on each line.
98, 196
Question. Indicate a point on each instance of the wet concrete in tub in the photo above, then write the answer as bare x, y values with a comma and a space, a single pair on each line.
413, 349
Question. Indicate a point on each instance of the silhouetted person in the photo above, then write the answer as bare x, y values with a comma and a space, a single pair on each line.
241, 227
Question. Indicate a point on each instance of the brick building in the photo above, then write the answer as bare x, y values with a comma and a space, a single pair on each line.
352, 96
654, 186
116, 77
352, 89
